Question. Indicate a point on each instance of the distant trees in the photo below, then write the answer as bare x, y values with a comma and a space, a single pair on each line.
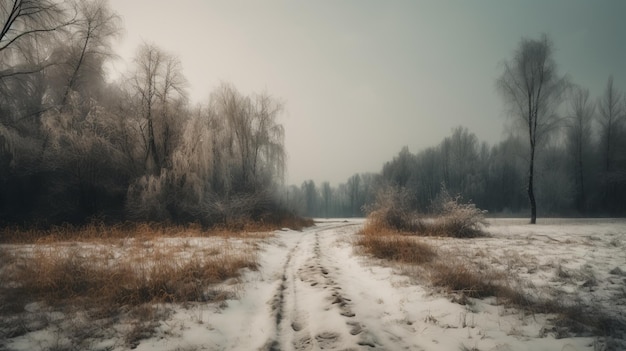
327, 194
578, 142
569, 164
344, 200
613, 147
533, 90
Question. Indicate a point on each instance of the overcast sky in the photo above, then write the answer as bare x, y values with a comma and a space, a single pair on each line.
361, 79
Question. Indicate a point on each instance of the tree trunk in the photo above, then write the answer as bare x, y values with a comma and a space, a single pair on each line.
531, 187
154, 164
582, 200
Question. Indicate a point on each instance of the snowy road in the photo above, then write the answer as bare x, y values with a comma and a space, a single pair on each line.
320, 301
312, 292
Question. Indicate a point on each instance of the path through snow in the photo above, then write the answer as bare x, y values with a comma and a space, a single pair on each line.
313, 292
318, 304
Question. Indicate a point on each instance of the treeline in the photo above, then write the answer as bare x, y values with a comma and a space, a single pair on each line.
580, 168
74, 147
565, 156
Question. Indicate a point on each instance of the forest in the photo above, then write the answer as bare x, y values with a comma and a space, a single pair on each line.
75, 147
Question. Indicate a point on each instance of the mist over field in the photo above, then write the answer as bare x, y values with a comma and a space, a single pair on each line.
358, 175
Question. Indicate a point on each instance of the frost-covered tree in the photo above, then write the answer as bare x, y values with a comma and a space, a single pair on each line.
253, 137
88, 173
156, 85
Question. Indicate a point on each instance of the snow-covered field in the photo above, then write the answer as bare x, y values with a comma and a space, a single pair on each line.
314, 291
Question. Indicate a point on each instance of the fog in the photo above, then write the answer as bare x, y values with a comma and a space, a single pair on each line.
360, 79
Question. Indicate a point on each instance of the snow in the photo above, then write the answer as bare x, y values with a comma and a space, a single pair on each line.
314, 291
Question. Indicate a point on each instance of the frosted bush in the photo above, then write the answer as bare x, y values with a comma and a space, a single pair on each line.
392, 209
456, 218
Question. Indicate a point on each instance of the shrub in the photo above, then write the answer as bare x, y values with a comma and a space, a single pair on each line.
457, 219
391, 209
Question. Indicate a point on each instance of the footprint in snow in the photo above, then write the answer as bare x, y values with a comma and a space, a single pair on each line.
326, 340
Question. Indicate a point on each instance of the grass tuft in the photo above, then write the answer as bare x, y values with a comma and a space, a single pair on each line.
397, 248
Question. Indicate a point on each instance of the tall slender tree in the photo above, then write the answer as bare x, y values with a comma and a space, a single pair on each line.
533, 89
609, 106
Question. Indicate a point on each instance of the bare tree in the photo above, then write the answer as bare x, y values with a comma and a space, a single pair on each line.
533, 90
311, 197
354, 186
157, 82
327, 194
26, 20
22, 95
610, 116
254, 138
579, 139
94, 28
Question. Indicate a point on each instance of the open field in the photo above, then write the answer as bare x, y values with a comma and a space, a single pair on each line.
67, 287
319, 288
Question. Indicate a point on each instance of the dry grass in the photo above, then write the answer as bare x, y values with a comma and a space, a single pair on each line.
57, 275
442, 226
98, 231
459, 276
116, 272
397, 248
441, 270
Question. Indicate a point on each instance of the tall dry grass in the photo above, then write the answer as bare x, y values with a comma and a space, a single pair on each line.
439, 269
121, 272
58, 275
99, 231
397, 248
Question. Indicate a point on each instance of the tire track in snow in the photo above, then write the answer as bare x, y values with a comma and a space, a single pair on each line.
310, 308
384, 321
278, 302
